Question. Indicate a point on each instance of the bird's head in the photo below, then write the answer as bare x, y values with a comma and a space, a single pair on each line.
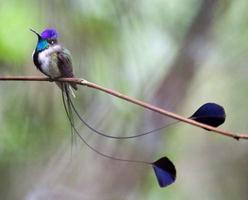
47, 38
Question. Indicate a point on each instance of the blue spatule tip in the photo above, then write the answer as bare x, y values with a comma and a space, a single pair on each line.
165, 171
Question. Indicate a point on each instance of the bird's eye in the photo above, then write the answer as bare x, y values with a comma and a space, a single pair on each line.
52, 41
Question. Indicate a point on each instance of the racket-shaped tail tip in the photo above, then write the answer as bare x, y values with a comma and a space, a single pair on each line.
210, 114
165, 171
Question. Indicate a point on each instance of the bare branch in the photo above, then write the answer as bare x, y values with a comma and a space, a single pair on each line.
84, 82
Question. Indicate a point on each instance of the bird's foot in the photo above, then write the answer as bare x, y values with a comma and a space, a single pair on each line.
51, 79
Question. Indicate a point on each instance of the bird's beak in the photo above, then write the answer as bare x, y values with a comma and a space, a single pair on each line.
39, 37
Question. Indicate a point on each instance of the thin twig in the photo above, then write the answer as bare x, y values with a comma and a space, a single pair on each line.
129, 99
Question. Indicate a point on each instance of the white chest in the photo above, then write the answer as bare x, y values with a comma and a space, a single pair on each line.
49, 63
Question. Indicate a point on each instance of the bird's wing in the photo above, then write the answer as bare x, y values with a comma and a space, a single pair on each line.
65, 65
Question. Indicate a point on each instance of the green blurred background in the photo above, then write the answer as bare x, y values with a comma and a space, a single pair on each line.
174, 54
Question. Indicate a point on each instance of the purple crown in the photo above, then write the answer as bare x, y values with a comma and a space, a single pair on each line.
49, 33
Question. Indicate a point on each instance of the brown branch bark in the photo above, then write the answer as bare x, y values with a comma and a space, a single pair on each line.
129, 99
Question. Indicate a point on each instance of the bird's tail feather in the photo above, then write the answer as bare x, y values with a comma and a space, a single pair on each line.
66, 86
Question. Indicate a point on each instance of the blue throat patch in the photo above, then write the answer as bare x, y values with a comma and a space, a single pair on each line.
41, 45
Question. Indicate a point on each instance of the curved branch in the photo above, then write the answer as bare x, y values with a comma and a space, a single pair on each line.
84, 82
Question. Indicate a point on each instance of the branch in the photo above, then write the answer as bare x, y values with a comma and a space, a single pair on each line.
84, 82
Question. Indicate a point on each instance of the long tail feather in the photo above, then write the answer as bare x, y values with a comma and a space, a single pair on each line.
137, 134
164, 169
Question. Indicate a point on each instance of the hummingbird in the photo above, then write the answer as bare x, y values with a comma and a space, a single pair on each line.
51, 58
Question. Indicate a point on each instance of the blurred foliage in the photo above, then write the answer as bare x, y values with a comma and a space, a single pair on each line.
14, 16
129, 46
